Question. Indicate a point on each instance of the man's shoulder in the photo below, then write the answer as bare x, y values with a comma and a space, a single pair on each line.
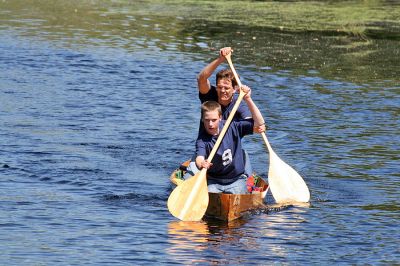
211, 95
243, 110
240, 124
203, 137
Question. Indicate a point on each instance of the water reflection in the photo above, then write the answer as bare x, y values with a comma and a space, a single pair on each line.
195, 235
283, 227
187, 238
211, 236
188, 232
229, 241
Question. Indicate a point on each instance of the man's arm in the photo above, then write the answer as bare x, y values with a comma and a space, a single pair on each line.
203, 83
201, 154
259, 123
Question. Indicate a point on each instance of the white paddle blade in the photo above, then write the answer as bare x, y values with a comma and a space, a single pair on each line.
189, 200
286, 185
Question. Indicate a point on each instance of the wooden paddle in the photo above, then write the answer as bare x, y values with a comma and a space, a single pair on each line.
189, 200
286, 185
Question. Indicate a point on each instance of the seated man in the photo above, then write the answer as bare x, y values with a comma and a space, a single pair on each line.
227, 171
224, 93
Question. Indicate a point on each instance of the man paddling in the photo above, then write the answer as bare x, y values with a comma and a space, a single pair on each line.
224, 90
227, 172
223, 93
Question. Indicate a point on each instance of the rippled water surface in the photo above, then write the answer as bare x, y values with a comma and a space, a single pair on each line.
94, 119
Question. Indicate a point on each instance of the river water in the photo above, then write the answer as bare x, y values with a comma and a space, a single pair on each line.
94, 119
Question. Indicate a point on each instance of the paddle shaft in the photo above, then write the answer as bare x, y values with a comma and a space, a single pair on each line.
240, 85
264, 136
227, 123
194, 194
232, 113
228, 58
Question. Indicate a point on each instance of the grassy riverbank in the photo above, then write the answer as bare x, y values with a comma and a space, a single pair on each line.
371, 18
356, 41
366, 19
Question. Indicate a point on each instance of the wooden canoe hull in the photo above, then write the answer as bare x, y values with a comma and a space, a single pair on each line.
227, 207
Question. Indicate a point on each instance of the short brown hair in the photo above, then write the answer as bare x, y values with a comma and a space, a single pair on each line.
226, 74
210, 106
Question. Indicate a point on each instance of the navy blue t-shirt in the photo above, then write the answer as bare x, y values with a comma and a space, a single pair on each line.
242, 112
228, 161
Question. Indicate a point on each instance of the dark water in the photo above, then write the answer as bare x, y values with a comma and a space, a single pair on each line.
93, 123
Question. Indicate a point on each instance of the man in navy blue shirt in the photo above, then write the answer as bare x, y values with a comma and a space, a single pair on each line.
224, 94
224, 91
227, 171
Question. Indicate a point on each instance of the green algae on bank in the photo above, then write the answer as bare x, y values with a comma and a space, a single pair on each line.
372, 18
346, 40
361, 18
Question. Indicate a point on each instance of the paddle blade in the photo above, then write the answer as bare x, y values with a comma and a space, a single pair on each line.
189, 200
286, 185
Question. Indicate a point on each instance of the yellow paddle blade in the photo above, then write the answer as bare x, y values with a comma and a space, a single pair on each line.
189, 200
286, 185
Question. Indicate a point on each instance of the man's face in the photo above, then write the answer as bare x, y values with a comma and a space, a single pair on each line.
211, 121
225, 91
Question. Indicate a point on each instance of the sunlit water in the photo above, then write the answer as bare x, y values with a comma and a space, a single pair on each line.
90, 133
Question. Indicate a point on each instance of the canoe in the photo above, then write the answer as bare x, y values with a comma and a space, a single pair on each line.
228, 207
